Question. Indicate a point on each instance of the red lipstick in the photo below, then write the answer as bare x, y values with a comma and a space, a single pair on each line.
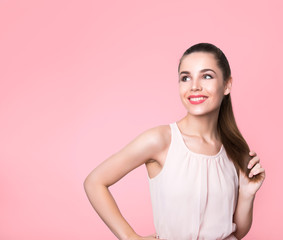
197, 99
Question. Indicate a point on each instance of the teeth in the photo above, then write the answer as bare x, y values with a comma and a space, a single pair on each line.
197, 99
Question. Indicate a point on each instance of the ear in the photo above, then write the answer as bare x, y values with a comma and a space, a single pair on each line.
228, 86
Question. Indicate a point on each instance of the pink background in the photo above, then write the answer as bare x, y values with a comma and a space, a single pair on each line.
80, 79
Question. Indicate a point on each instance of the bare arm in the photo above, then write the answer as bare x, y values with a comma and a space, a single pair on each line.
136, 153
243, 215
248, 187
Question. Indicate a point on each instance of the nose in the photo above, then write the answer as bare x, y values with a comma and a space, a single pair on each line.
196, 85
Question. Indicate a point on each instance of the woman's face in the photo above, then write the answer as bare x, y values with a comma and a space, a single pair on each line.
201, 83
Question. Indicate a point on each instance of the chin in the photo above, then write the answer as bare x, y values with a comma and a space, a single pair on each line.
197, 113
202, 112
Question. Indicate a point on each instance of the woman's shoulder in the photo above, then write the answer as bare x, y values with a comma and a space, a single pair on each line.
159, 135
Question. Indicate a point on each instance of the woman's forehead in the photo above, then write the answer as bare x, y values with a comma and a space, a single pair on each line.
198, 60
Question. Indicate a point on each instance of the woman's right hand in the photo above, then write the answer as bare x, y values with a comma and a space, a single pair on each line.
150, 237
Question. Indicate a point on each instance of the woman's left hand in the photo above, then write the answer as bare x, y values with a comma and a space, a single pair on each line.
247, 186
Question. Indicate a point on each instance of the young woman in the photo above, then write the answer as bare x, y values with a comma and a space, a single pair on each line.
202, 176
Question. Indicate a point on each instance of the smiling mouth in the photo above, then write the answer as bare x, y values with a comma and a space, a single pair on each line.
197, 100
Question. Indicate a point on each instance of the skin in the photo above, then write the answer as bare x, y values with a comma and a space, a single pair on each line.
198, 128
200, 124
247, 191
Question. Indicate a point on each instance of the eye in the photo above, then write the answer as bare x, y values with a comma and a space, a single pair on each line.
185, 78
207, 75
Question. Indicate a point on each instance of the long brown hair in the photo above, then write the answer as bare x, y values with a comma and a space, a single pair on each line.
234, 143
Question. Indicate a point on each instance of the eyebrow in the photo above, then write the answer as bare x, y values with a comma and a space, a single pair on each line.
203, 70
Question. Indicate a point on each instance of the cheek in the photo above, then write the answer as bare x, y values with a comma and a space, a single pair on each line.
215, 90
183, 89
219, 94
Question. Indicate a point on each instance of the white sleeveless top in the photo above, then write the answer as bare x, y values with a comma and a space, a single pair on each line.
195, 195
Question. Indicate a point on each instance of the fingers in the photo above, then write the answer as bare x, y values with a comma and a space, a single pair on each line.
254, 160
157, 237
256, 170
252, 153
153, 236
254, 165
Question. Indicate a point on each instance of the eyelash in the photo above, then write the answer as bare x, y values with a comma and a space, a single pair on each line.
182, 79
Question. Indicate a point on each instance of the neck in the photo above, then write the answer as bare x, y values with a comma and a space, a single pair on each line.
203, 126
